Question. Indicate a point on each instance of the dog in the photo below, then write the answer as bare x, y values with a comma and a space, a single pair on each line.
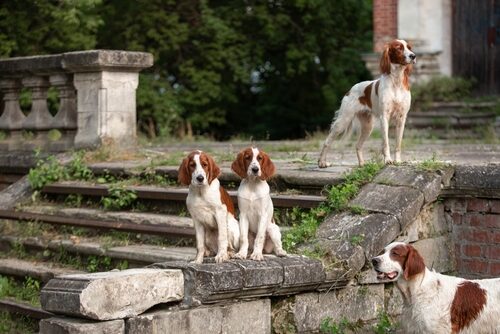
387, 98
210, 207
436, 303
255, 205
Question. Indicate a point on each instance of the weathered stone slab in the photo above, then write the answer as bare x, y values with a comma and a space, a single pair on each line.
300, 272
429, 183
430, 223
14, 193
402, 202
41, 271
64, 325
112, 295
437, 253
352, 303
476, 180
244, 317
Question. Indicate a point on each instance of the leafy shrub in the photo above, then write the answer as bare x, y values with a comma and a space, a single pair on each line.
440, 89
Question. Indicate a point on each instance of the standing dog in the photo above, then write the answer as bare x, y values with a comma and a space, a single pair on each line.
255, 204
436, 303
387, 98
210, 207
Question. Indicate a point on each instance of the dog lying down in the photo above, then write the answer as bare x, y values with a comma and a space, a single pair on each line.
436, 303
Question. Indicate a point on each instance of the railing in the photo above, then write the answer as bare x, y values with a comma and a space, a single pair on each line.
96, 93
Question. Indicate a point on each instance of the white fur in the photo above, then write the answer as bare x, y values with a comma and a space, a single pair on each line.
428, 298
391, 103
256, 215
216, 228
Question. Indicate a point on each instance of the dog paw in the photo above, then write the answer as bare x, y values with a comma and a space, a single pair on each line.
257, 257
197, 261
280, 253
241, 256
323, 164
219, 258
388, 161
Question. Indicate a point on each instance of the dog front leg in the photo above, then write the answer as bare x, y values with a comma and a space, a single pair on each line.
260, 238
200, 242
221, 218
322, 163
243, 252
384, 128
400, 128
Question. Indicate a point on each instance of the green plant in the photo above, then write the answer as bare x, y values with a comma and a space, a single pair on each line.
11, 323
356, 240
74, 200
330, 327
431, 165
384, 324
119, 197
28, 291
77, 168
357, 210
306, 222
46, 171
441, 88
98, 263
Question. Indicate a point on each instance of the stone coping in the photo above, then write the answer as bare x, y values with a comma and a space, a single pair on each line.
78, 61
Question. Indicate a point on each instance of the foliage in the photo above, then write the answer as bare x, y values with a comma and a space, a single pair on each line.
98, 263
119, 197
28, 291
330, 327
431, 165
11, 323
384, 324
442, 89
305, 223
46, 171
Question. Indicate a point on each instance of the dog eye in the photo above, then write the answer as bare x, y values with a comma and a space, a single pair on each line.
259, 158
204, 164
247, 157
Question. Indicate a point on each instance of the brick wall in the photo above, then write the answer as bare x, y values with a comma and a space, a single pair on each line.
385, 22
476, 236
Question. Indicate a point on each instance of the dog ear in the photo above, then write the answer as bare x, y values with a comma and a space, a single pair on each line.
213, 169
183, 175
406, 77
414, 263
238, 165
385, 61
267, 167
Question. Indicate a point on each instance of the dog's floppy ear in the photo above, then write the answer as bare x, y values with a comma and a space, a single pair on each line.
406, 78
238, 165
414, 263
213, 169
385, 61
183, 175
267, 166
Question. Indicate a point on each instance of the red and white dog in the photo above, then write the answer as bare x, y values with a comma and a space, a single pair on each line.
387, 98
255, 204
436, 303
210, 207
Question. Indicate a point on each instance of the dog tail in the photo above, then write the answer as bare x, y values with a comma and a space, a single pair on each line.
344, 123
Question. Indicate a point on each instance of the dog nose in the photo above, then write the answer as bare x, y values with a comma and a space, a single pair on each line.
375, 261
200, 178
255, 169
413, 56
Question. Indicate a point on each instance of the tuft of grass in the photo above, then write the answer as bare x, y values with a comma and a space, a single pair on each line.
329, 326
28, 291
384, 324
431, 165
306, 222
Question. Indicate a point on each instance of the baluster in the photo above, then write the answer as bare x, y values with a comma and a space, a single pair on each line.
66, 118
39, 119
12, 117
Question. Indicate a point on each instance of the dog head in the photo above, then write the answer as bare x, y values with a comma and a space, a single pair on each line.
253, 163
397, 52
198, 169
399, 260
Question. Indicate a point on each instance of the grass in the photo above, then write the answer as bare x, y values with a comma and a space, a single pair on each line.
306, 222
431, 165
15, 324
329, 326
27, 291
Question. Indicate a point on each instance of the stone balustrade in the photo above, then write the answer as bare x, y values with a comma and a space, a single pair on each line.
96, 93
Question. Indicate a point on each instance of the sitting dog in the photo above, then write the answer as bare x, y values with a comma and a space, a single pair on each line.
387, 98
210, 207
436, 303
255, 205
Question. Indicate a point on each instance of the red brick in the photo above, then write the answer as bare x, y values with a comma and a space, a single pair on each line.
478, 205
495, 269
475, 235
493, 252
456, 205
474, 219
471, 250
456, 218
495, 206
474, 266
491, 221
495, 237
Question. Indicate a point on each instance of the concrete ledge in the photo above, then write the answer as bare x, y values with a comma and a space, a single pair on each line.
112, 295
246, 317
210, 282
62, 325
474, 181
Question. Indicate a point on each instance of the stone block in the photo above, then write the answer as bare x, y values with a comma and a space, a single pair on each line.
15, 193
402, 202
353, 303
437, 253
112, 295
430, 223
429, 183
476, 180
393, 300
244, 317
62, 325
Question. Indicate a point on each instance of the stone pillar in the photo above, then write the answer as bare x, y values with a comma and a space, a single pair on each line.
12, 118
385, 23
106, 108
39, 119
66, 118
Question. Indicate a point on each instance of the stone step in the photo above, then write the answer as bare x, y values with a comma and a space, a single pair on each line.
139, 254
43, 271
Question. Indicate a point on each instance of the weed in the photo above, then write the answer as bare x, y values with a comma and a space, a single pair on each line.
357, 210
12, 323
46, 171
118, 197
77, 168
98, 263
28, 291
356, 240
384, 324
330, 327
74, 200
431, 165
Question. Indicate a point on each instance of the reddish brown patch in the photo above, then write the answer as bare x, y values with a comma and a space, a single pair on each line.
468, 302
210, 167
266, 165
393, 53
366, 99
409, 259
242, 161
226, 199
186, 169
376, 87
406, 77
